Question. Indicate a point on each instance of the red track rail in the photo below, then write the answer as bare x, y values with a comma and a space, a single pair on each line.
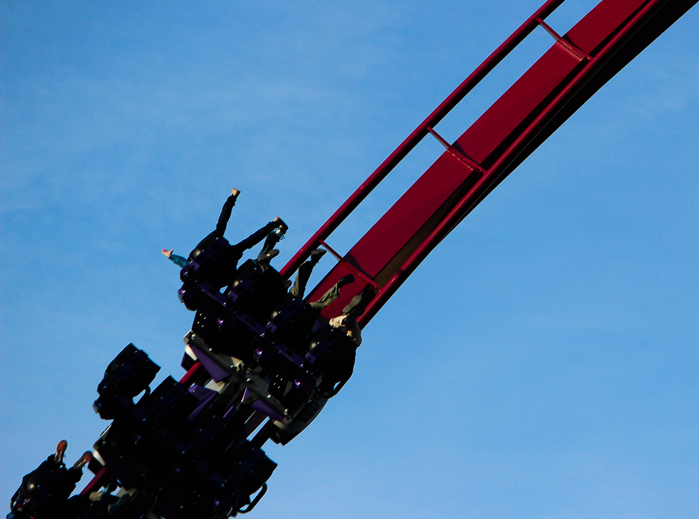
575, 67
418, 134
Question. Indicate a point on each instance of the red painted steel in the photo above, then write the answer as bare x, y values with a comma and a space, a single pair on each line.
97, 482
418, 134
192, 373
502, 122
603, 22
536, 104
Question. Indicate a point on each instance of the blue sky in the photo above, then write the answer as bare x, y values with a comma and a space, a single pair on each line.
541, 363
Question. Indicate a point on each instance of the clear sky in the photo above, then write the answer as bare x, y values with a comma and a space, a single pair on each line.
541, 363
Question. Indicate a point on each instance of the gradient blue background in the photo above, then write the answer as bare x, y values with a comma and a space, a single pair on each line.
541, 363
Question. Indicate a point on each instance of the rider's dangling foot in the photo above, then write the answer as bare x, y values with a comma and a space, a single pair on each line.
83, 460
316, 255
60, 452
345, 280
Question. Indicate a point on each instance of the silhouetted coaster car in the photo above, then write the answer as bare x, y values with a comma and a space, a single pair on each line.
256, 290
128, 455
291, 322
129, 373
283, 433
189, 294
44, 492
211, 266
169, 405
236, 338
331, 355
251, 473
289, 385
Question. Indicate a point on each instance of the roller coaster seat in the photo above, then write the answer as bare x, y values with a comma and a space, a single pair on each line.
256, 290
332, 355
129, 373
291, 322
206, 263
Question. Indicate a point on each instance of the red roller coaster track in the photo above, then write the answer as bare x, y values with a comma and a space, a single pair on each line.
573, 69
